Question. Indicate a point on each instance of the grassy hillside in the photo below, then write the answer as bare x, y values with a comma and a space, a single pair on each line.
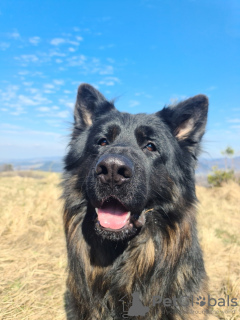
32, 247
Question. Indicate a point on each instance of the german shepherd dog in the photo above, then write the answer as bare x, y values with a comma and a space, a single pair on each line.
130, 212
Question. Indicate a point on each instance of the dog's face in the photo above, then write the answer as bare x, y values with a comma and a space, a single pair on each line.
129, 167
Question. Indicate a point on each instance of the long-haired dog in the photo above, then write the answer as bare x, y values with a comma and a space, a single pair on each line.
130, 212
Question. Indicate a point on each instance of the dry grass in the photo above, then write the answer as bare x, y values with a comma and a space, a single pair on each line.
33, 257
219, 225
32, 254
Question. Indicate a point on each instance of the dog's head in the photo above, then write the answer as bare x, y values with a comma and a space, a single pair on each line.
133, 169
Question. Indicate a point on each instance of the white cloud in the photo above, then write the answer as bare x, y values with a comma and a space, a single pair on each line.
9, 93
74, 43
28, 84
14, 35
149, 96
212, 88
133, 103
48, 91
49, 86
35, 40
96, 61
56, 53
42, 133
38, 74
62, 114
88, 65
44, 109
106, 70
4, 46
36, 89
39, 99
23, 73
137, 94
26, 101
32, 90
66, 103
110, 60
58, 82
234, 120
79, 38
10, 126
76, 60
108, 46
109, 81
18, 110
49, 113
17, 104
26, 58
57, 41
22, 101
53, 122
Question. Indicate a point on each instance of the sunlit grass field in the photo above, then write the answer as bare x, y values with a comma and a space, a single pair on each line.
33, 256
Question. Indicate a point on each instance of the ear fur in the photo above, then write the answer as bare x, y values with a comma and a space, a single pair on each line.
90, 103
187, 121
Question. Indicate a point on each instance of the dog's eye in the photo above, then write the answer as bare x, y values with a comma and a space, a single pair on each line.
103, 142
151, 147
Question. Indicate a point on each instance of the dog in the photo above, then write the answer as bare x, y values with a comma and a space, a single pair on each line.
130, 212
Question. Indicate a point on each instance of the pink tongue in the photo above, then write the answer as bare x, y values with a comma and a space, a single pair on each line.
112, 216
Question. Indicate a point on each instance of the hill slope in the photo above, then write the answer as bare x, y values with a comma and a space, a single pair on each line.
33, 256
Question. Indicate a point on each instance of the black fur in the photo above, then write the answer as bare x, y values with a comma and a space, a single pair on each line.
157, 253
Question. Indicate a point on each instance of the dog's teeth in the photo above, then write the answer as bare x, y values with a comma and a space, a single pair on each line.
96, 209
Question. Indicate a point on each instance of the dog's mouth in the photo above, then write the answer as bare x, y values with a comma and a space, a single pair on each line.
112, 215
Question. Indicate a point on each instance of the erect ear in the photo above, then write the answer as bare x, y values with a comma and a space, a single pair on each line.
187, 121
90, 103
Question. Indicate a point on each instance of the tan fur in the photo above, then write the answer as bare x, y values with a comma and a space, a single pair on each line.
178, 240
184, 130
140, 261
71, 284
146, 257
87, 118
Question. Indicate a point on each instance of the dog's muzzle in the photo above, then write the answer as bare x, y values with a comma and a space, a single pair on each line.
114, 169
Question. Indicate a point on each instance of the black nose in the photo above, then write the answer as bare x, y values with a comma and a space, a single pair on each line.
114, 169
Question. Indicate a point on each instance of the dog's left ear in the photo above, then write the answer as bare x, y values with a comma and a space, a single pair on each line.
90, 103
187, 121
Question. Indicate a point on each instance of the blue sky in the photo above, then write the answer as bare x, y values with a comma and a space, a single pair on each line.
145, 53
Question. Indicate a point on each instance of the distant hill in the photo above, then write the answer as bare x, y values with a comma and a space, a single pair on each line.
51, 164
205, 165
55, 164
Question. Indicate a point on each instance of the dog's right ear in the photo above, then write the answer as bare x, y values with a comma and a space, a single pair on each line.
187, 121
90, 103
